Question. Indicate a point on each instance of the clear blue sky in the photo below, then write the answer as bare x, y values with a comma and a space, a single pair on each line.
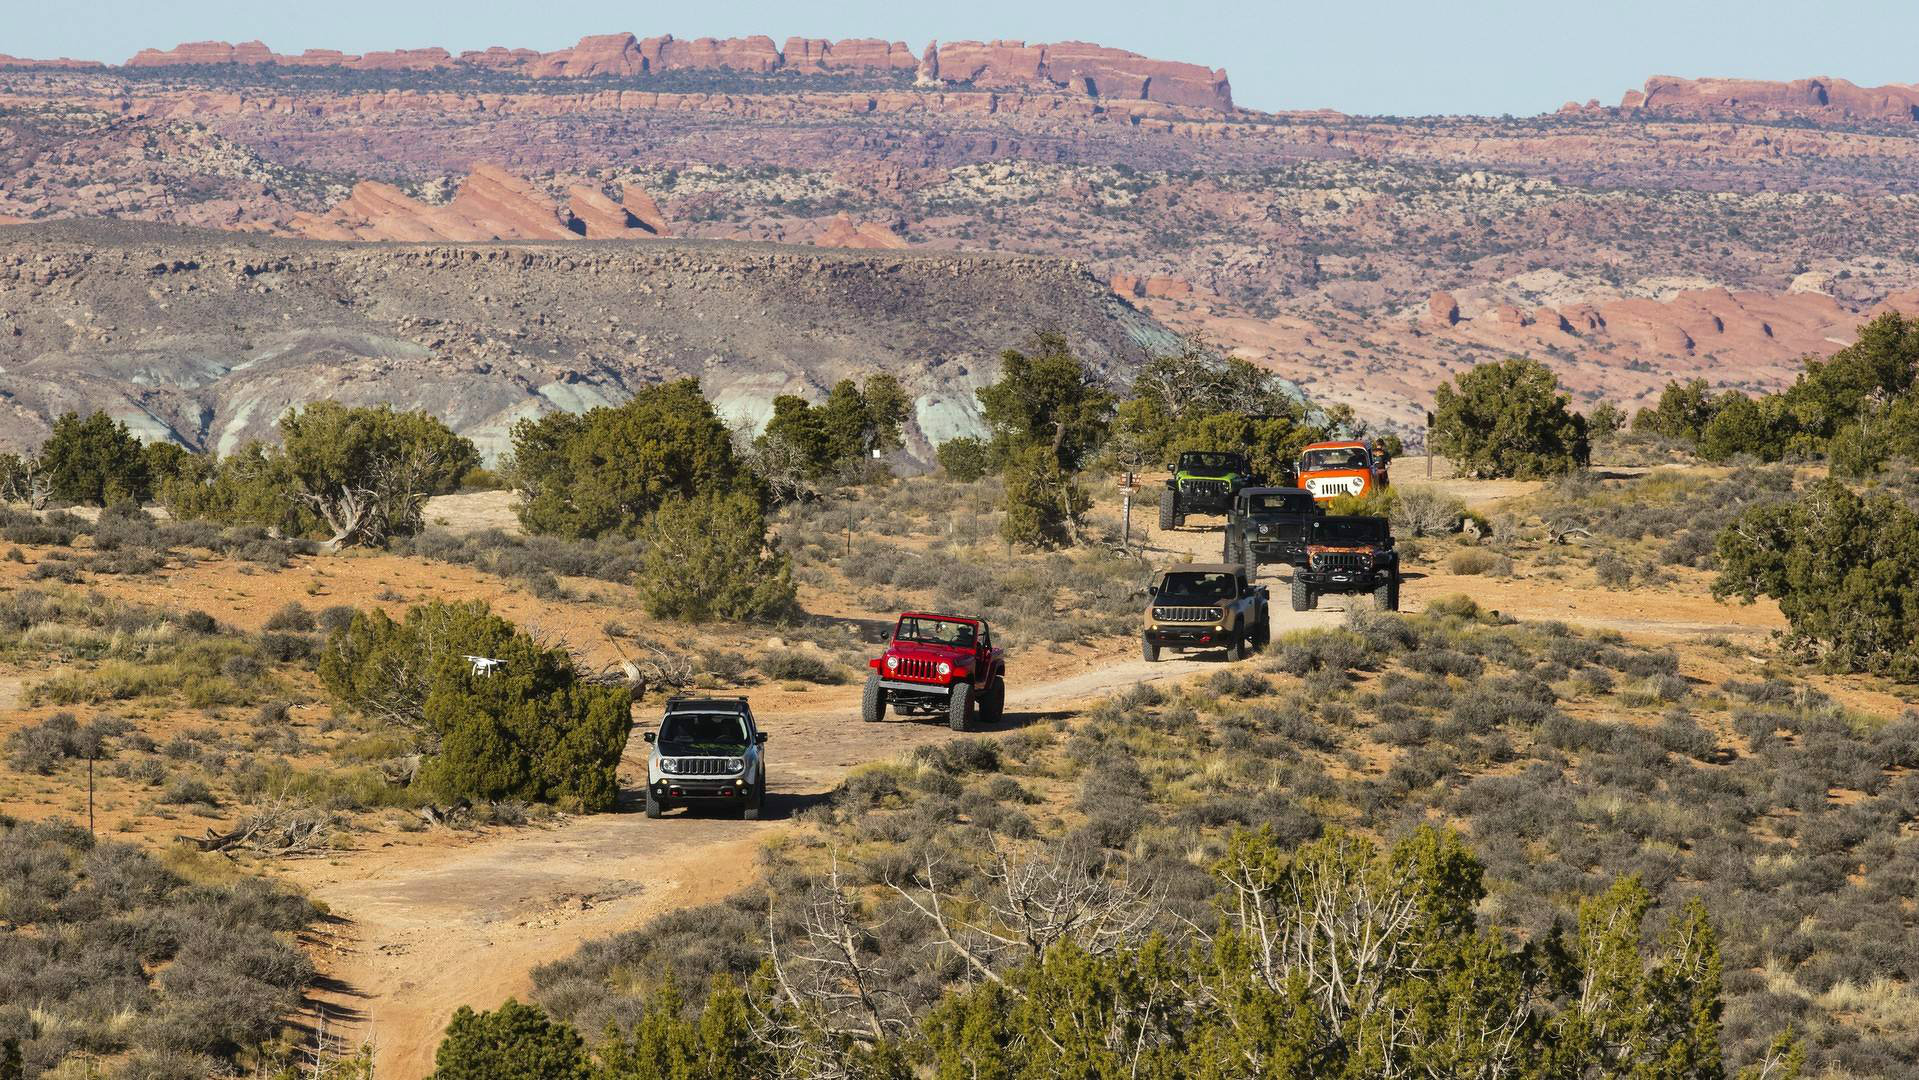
1405, 57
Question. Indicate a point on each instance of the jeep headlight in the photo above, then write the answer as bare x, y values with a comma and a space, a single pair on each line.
945, 668
892, 663
669, 765
734, 764
1264, 529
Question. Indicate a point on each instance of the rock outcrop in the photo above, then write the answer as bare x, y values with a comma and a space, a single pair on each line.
205, 340
1816, 98
1075, 67
491, 204
844, 232
62, 63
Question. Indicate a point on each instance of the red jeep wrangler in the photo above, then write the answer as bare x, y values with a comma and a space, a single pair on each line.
938, 664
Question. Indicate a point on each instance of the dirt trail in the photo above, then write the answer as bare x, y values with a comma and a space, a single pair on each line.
433, 928
433, 925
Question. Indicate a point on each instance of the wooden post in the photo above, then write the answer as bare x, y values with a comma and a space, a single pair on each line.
89, 794
1429, 445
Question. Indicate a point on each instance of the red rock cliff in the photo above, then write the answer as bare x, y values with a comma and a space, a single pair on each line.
1076, 67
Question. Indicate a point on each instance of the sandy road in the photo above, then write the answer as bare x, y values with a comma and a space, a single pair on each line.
426, 929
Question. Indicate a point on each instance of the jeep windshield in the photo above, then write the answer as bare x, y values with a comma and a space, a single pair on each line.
1349, 532
703, 733
1344, 457
1294, 503
929, 631
1197, 588
1209, 463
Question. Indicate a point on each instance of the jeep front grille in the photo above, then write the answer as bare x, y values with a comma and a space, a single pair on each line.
916, 669
1204, 487
702, 766
1343, 560
1186, 614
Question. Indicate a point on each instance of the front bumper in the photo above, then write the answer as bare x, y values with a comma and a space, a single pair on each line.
902, 686
700, 788
1186, 636
1344, 578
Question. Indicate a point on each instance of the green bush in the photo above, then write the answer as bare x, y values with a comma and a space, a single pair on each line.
513, 1042
710, 557
352, 475
1842, 569
606, 471
1508, 419
94, 460
1045, 505
965, 458
530, 728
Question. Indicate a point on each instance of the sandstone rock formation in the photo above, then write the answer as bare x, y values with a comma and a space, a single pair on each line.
491, 204
62, 63
1818, 97
1076, 67
1442, 310
844, 232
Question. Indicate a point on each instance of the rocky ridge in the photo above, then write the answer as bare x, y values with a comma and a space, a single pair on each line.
1820, 98
205, 339
1077, 67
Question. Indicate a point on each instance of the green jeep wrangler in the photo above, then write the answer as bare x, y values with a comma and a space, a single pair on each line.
1203, 482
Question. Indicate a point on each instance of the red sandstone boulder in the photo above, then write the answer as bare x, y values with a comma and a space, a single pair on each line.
1442, 310
605, 54
844, 232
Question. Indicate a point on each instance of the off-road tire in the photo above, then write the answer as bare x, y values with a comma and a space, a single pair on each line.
1386, 596
1148, 651
1236, 645
959, 707
751, 811
873, 700
653, 808
1248, 561
1168, 510
992, 704
1303, 598
1263, 633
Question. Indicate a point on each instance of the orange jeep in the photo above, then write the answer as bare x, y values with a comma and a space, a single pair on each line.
1332, 469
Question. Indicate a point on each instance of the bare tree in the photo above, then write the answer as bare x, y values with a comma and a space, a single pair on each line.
833, 988
1033, 905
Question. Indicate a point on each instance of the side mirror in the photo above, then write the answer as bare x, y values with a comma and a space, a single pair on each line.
649, 736
1172, 466
760, 737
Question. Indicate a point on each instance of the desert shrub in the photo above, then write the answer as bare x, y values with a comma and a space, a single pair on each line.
115, 950
606, 471
293, 617
1508, 419
1840, 567
1045, 504
964, 458
1421, 511
1469, 561
800, 666
710, 556
95, 460
1304, 651
42, 747
529, 728
513, 1042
